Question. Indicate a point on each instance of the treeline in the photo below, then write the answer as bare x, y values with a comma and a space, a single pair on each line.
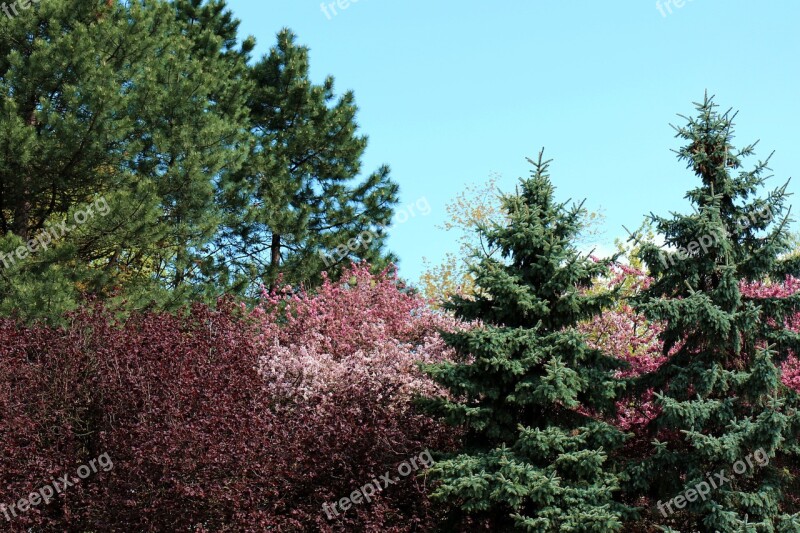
222, 172
151, 165
562, 392
572, 421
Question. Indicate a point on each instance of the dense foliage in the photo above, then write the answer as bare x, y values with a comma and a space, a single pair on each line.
194, 283
627, 335
531, 460
296, 206
224, 420
720, 395
218, 173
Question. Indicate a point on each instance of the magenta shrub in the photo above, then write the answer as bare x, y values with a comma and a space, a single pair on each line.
231, 419
226, 419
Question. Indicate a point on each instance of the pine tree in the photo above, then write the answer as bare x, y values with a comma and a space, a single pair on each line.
298, 206
720, 395
135, 102
532, 458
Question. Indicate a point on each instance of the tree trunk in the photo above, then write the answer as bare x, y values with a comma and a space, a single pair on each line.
275, 259
22, 207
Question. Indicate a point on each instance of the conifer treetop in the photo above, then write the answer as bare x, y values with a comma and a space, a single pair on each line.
535, 274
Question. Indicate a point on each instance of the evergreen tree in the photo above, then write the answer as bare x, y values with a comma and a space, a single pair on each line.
213, 33
532, 459
138, 103
297, 208
720, 395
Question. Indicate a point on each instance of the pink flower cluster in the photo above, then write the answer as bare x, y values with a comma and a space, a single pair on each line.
226, 419
231, 419
630, 337
365, 329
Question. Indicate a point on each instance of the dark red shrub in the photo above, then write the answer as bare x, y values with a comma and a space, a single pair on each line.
220, 420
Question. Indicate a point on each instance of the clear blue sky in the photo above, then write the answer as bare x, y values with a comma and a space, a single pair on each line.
451, 92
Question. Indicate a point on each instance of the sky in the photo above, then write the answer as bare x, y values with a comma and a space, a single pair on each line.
452, 92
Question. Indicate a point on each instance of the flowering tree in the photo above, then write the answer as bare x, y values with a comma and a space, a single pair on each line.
226, 419
630, 337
